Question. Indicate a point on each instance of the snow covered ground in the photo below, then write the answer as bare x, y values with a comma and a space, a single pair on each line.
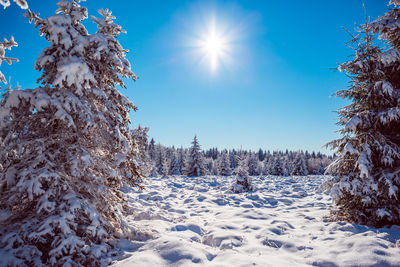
196, 221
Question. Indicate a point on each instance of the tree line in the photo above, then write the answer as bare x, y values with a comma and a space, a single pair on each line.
163, 160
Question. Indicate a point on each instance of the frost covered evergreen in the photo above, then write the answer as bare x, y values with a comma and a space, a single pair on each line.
176, 167
151, 149
388, 29
66, 149
195, 165
162, 165
243, 183
224, 164
212, 167
253, 163
182, 158
367, 169
142, 158
266, 166
299, 166
276, 167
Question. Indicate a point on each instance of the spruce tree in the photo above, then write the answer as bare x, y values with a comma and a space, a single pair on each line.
253, 165
388, 28
261, 155
143, 158
175, 168
367, 169
209, 165
242, 183
266, 166
182, 158
277, 166
195, 162
66, 148
224, 164
233, 158
162, 164
286, 166
299, 166
151, 148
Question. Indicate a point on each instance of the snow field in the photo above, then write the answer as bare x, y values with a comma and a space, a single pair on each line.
185, 221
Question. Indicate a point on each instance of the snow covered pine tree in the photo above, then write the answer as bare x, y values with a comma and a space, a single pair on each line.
224, 164
242, 177
299, 166
142, 158
175, 168
277, 166
162, 165
367, 169
253, 164
66, 149
195, 161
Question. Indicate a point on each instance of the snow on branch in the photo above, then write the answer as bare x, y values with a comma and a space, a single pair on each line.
6, 44
22, 3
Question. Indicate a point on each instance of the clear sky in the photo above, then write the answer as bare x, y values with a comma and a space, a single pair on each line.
242, 73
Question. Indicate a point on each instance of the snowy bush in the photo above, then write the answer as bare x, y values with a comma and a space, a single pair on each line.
242, 183
367, 169
66, 149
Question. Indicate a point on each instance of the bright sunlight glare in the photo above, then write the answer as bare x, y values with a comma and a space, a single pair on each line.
214, 42
214, 46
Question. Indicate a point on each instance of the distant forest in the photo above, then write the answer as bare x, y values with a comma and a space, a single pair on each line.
163, 160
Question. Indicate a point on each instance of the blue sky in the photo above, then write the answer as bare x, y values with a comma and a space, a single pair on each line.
272, 88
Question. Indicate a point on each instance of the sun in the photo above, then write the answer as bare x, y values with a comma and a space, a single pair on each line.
214, 46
